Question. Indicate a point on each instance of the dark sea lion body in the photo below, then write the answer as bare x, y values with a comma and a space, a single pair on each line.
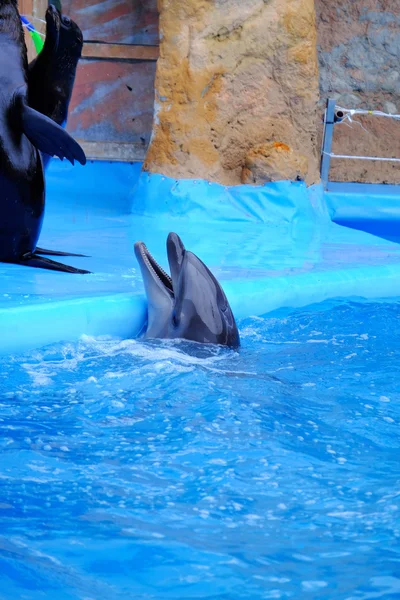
23, 132
51, 75
21, 175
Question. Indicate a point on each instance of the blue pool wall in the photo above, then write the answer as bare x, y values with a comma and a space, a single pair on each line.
374, 208
281, 245
125, 188
304, 217
99, 186
276, 203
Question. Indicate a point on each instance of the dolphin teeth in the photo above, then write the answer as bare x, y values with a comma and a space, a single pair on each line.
155, 267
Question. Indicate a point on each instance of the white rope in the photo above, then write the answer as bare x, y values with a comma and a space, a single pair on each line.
358, 111
33, 18
38, 32
332, 155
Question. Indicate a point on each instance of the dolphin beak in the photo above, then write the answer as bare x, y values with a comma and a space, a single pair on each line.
159, 294
153, 274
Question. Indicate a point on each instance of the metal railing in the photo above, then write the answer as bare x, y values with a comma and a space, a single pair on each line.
336, 114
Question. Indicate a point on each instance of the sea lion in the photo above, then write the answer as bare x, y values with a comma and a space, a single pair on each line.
23, 133
51, 75
190, 304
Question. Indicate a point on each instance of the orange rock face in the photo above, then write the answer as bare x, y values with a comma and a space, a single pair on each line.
233, 77
272, 162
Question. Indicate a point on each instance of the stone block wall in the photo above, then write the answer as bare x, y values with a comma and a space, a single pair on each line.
359, 66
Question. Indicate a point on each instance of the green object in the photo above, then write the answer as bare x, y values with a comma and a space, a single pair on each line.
37, 40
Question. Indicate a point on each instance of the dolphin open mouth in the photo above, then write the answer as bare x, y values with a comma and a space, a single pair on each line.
148, 261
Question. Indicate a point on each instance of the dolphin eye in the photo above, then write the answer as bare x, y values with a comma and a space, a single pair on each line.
67, 21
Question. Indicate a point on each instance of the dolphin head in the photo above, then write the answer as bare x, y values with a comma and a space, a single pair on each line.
190, 304
201, 311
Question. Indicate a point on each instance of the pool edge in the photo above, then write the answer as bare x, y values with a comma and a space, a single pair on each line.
123, 315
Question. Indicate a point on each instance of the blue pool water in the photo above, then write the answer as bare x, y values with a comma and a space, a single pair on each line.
133, 470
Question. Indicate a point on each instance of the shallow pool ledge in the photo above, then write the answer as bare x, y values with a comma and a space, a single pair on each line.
39, 324
123, 315
261, 296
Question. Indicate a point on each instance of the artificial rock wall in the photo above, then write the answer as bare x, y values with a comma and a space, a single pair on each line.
236, 91
237, 88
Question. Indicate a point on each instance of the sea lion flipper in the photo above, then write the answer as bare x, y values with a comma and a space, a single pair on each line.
48, 137
56, 253
33, 260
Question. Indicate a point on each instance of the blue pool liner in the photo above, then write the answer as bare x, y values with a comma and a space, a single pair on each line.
279, 245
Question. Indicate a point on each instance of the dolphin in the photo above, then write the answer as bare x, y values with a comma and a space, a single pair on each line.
190, 304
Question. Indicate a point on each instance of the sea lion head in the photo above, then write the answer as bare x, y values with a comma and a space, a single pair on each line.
71, 38
64, 35
53, 24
